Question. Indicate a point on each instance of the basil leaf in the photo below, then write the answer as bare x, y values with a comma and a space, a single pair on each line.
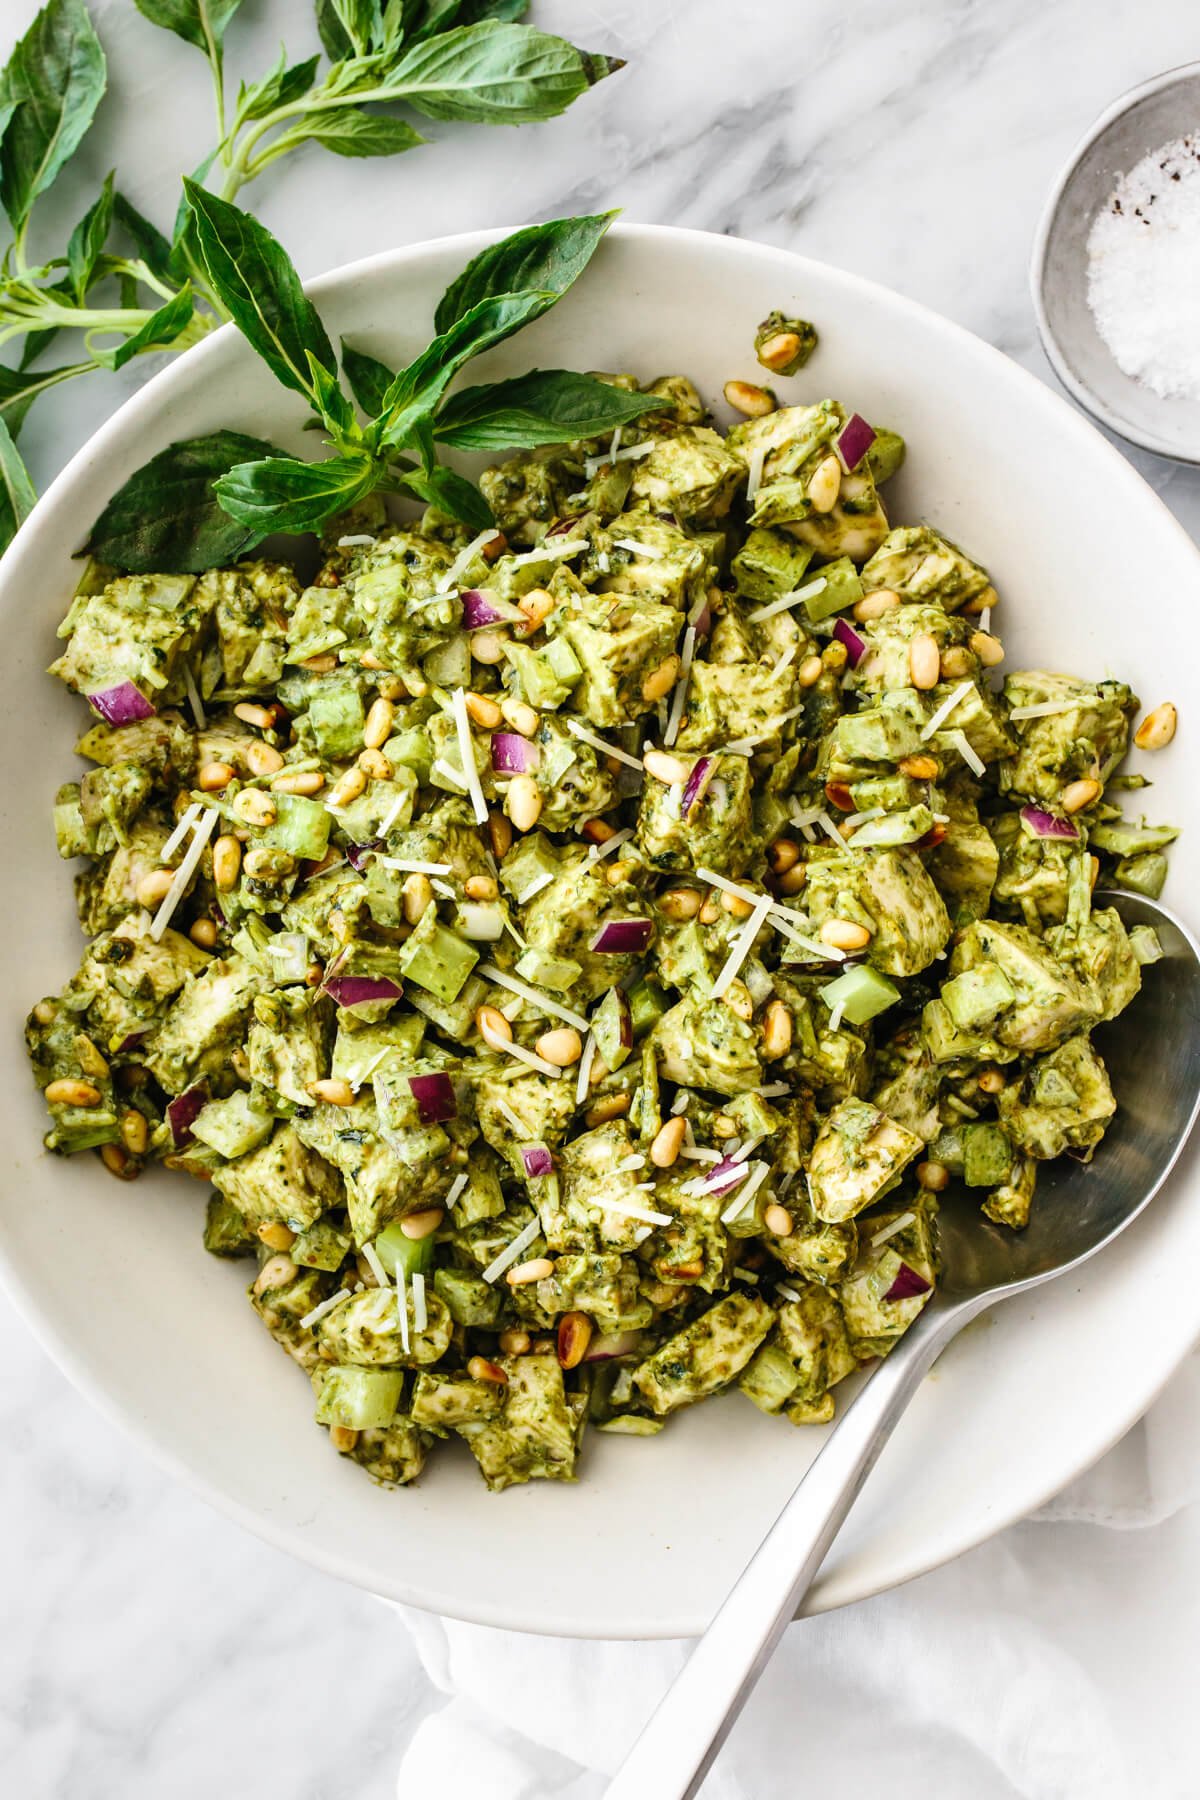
152, 246
332, 404
494, 74
348, 27
284, 494
548, 406
453, 494
368, 377
259, 287
278, 88
549, 257
88, 240
19, 389
17, 494
162, 327
416, 390
198, 22
167, 517
56, 77
359, 133
496, 9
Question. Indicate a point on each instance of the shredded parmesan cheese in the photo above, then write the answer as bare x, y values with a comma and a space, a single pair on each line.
1043, 709
535, 887
741, 946
602, 744
512, 1251
680, 1103
466, 748
512, 1119
610, 844
789, 600
938, 719
679, 697
758, 457
744, 1195
898, 1224
962, 744
632, 453
187, 819
402, 1309
441, 767
537, 996
637, 549
462, 561
835, 1017
456, 1187
420, 1315
202, 830
558, 551
785, 662
583, 1078
632, 1209
326, 1306
411, 866
789, 1293
371, 1258
355, 539
509, 1047
743, 746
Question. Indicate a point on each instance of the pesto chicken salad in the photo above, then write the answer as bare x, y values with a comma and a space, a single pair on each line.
579, 954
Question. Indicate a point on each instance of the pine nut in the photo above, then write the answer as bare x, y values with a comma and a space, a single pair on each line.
660, 681
491, 1022
619, 872
416, 897
991, 1081
1093, 872
227, 863
825, 484
262, 759
597, 831
724, 1127
418, 1225
66, 1092
514, 1343
519, 715
838, 794
924, 661
480, 1369
746, 397
664, 1151
523, 802
348, 787
834, 656
253, 807
276, 1272
810, 671
90, 1059
307, 782
562, 1047
844, 934
735, 906
793, 882
538, 1268
374, 764
378, 727
154, 887
483, 710
324, 664
332, 1090
955, 662
214, 776
783, 854
45, 1012
574, 1336
920, 768
135, 1133
710, 912
116, 1160
987, 648
276, 1236
778, 351
392, 688
612, 1106
500, 834
679, 903
983, 602
250, 714
737, 999
537, 605
487, 647
480, 887
873, 606
1157, 728
265, 863
776, 1030
778, 1221
344, 1438
933, 1176
667, 769
1078, 794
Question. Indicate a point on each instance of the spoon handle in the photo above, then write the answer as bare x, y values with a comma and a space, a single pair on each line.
675, 1751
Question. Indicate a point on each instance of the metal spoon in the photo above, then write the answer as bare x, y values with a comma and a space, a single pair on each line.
1153, 1057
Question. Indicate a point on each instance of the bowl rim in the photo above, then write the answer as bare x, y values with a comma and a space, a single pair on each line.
840, 1587
1088, 399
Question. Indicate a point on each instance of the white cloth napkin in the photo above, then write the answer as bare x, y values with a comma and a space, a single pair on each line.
1051, 1663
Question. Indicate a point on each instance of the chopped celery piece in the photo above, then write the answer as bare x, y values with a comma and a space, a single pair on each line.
412, 750
336, 716
1143, 874
322, 1246
233, 1126
435, 959
861, 993
395, 1250
1143, 941
612, 1028
542, 684
450, 664
362, 1399
546, 970
226, 1232
374, 1049
472, 1301
301, 827
842, 589
987, 1155
647, 1004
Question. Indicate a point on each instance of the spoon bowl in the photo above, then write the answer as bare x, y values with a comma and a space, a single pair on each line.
1153, 1057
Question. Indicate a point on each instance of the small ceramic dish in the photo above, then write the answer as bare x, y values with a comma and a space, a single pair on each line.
1155, 113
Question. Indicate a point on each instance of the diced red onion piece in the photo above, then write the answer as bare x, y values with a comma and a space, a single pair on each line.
854, 440
183, 1111
1045, 824
121, 705
907, 1285
704, 621
856, 646
513, 754
725, 1175
538, 1160
357, 854
434, 1095
695, 786
356, 990
605, 1346
478, 609
128, 1041
622, 937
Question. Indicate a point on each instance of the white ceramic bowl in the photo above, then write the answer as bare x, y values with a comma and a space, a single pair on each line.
1094, 576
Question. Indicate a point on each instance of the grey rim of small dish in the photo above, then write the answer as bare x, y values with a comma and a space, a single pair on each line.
1154, 113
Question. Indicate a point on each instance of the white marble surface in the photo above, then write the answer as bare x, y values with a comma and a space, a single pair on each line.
149, 1647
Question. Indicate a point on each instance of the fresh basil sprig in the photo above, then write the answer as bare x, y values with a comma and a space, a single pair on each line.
166, 516
126, 288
